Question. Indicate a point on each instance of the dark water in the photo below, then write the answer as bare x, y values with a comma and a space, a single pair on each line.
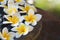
1, 16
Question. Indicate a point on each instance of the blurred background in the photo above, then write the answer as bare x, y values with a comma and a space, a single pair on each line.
52, 6
50, 10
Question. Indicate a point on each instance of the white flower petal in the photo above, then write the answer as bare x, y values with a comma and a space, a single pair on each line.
10, 2
31, 11
34, 23
30, 28
13, 6
21, 3
38, 17
18, 35
21, 23
30, 1
5, 30
26, 33
16, 14
5, 10
15, 24
34, 8
27, 23
6, 16
26, 4
21, 18
14, 29
16, 6
12, 34
22, 12
20, 7
6, 22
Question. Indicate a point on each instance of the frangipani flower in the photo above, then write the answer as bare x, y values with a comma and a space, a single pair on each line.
5, 35
15, 19
21, 2
11, 9
3, 2
32, 18
30, 1
22, 29
27, 8
10, 2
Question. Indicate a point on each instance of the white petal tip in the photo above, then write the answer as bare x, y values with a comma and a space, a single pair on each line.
6, 22
38, 17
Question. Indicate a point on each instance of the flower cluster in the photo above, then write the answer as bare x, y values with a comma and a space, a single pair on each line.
21, 14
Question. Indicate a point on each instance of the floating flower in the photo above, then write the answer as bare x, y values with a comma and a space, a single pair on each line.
15, 19
5, 35
11, 2
21, 2
3, 2
27, 8
10, 10
32, 18
22, 29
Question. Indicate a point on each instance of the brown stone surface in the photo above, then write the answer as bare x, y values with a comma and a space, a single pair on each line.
50, 27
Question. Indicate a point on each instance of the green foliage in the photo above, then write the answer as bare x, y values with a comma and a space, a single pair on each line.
41, 4
52, 5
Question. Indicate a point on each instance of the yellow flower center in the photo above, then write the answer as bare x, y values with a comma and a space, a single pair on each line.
1, 0
6, 36
13, 19
27, 8
30, 18
12, 10
18, 0
22, 29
